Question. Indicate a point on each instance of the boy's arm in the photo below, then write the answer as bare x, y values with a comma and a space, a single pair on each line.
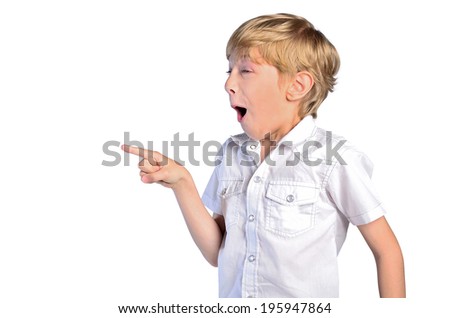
206, 231
388, 257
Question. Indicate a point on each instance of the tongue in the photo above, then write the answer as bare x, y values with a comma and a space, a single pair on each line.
240, 113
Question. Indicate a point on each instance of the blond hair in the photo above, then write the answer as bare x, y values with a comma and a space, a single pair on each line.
291, 44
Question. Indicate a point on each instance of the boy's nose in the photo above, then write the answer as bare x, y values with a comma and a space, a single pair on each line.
230, 87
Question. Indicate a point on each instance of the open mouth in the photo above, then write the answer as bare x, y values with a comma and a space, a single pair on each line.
241, 111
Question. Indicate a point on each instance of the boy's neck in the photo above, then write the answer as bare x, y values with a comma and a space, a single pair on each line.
266, 147
270, 141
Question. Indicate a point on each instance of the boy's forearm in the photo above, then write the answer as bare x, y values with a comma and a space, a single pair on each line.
391, 275
203, 228
388, 257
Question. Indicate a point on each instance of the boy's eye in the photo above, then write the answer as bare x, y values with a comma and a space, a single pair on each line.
243, 71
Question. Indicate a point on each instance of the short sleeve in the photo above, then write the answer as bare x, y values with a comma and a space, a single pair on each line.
210, 198
352, 190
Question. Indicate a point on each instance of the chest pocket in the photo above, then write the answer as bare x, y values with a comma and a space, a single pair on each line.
230, 193
290, 207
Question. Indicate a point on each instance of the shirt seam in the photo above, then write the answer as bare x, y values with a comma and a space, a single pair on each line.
366, 212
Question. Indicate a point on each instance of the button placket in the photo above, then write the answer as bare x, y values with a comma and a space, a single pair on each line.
254, 191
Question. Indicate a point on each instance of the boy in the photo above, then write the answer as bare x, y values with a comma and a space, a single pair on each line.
285, 190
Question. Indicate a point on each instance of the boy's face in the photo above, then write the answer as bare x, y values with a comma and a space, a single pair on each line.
260, 98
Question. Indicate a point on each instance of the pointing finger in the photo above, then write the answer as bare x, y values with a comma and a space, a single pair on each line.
136, 151
153, 157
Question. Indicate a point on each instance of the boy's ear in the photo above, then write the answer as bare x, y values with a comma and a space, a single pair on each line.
299, 86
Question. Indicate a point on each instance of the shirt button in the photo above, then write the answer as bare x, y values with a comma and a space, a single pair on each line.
251, 217
257, 179
251, 258
224, 191
290, 198
250, 296
253, 147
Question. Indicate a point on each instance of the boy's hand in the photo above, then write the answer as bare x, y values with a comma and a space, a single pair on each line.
158, 168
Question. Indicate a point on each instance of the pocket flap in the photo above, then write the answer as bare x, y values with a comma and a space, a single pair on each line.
292, 193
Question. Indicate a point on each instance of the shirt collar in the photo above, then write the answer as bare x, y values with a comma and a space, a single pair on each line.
241, 139
302, 131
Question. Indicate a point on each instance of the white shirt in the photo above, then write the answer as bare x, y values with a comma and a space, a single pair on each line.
287, 217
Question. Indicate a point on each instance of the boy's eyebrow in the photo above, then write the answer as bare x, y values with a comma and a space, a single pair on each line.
242, 61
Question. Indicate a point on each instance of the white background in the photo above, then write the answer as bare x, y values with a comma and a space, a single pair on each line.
77, 238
